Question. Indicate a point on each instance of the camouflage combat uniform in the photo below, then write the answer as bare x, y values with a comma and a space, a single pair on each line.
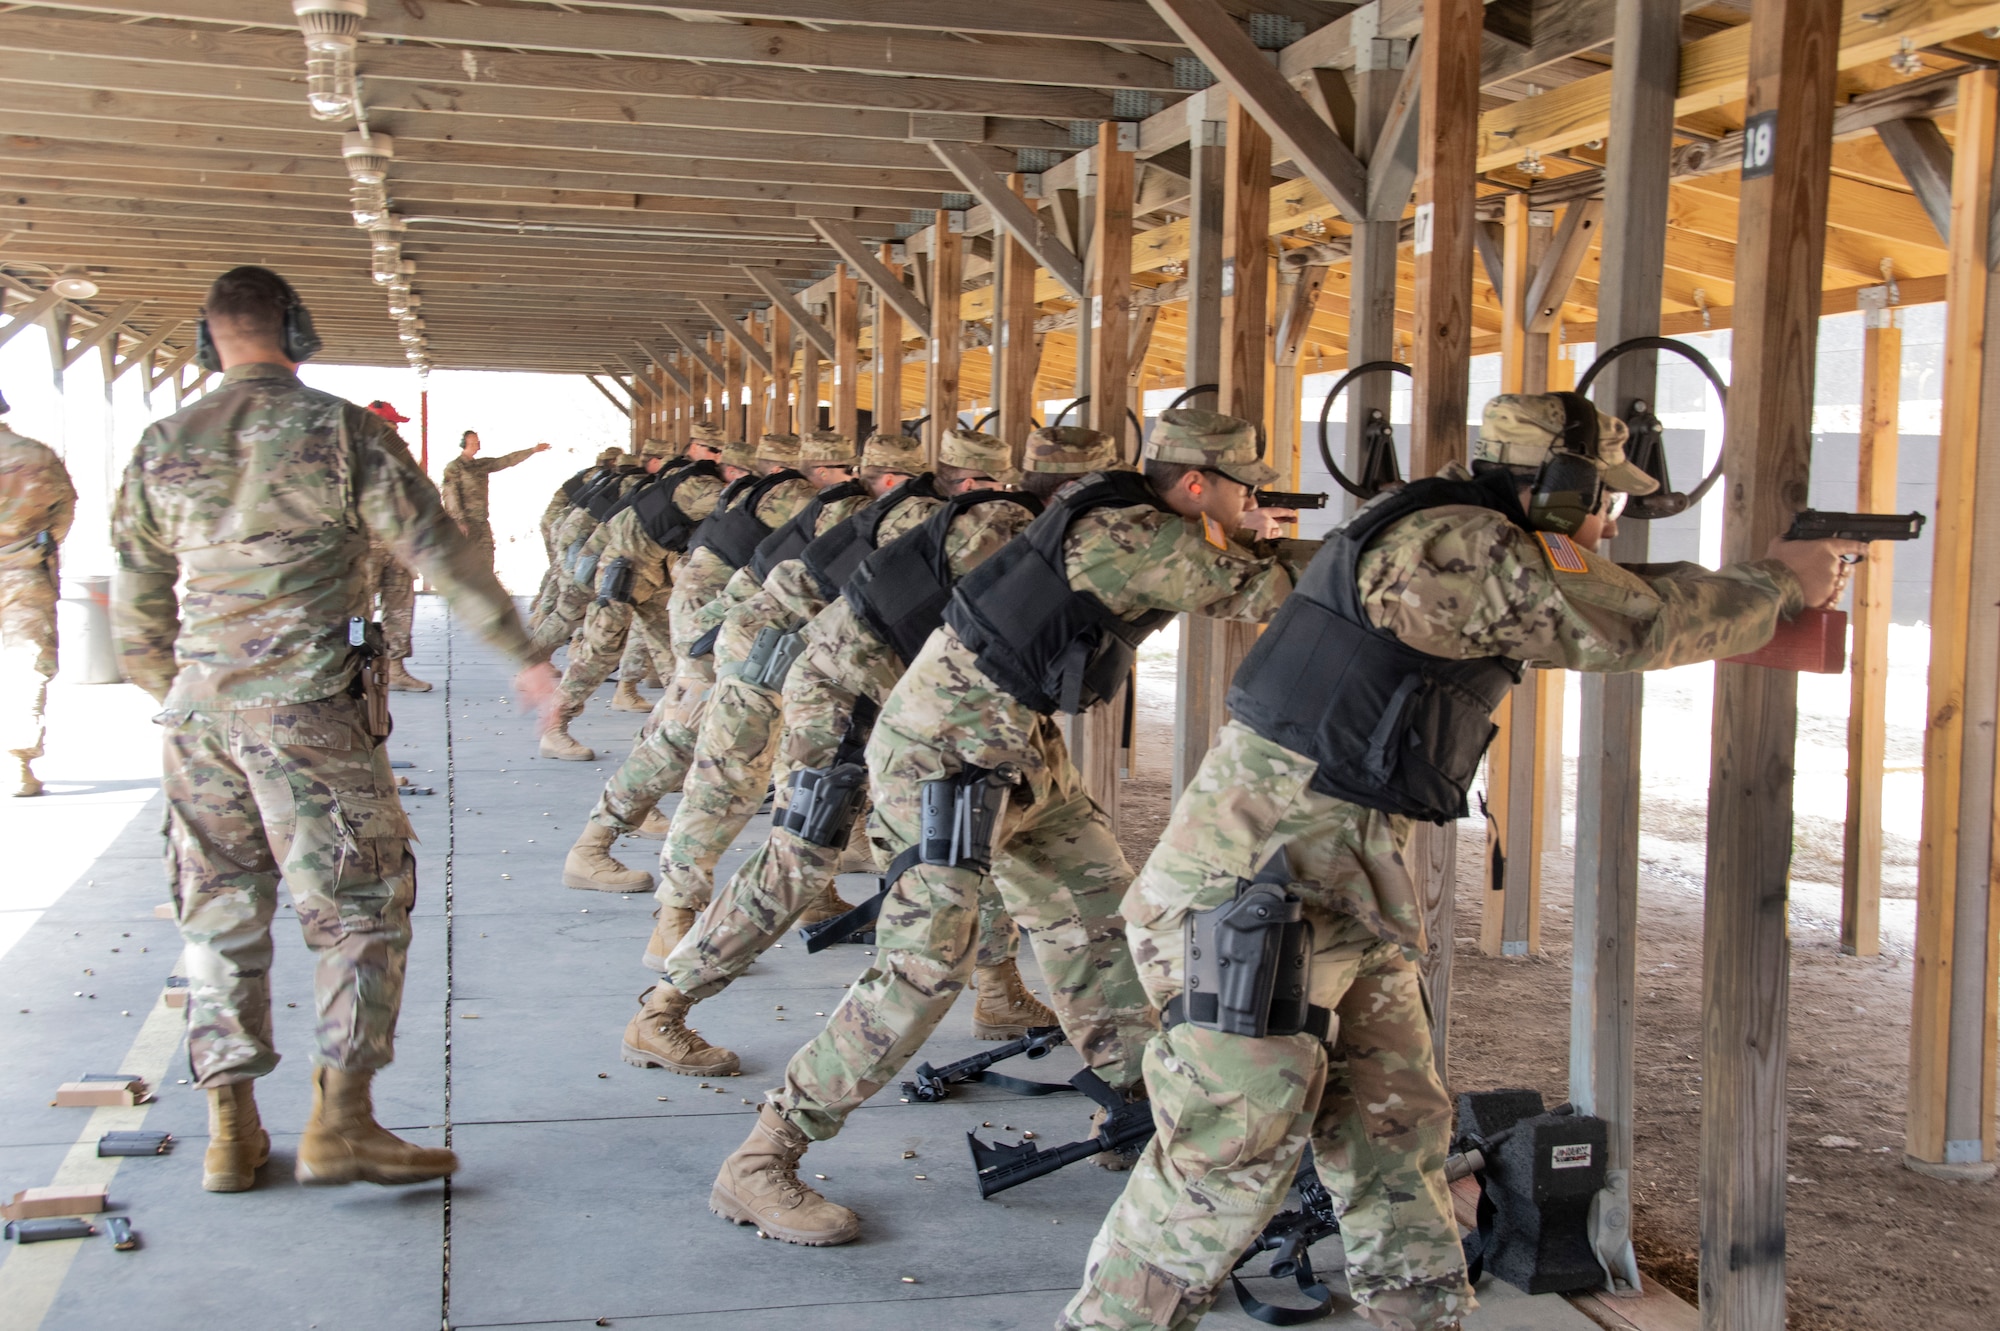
1234, 1113
582, 531
386, 581
554, 514
844, 662
1058, 866
264, 496
37, 504
464, 491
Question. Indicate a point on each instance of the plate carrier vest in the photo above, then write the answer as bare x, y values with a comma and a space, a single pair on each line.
901, 590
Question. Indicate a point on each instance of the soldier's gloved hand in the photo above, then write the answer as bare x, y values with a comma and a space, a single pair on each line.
537, 687
1818, 565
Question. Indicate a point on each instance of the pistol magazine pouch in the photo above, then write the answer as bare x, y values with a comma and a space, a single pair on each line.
825, 802
1249, 962
770, 659
614, 584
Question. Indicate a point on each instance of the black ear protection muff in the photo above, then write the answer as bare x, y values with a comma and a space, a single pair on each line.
299, 340
1569, 486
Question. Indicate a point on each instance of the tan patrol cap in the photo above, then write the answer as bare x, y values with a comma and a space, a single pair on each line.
1070, 450
893, 452
978, 452
609, 456
708, 436
658, 448
779, 449
1211, 441
825, 448
1522, 429
738, 453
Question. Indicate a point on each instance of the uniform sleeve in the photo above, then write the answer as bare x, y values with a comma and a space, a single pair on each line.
975, 536
448, 492
62, 510
145, 611
504, 461
783, 503
404, 512
1143, 559
1477, 585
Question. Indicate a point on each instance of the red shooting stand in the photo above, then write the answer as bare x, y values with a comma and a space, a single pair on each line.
1814, 642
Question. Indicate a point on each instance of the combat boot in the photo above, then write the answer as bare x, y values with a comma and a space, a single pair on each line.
655, 827
559, 744
629, 699
401, 680
1006, 1009
759, 1185
29, 783
343, 1143
590, 868
659, 1037
237, 1143
830, 906
670, 925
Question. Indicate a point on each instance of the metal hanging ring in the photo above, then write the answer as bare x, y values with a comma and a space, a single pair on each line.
1326, 410
1709, 372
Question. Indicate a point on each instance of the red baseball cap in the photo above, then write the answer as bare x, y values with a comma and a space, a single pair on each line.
387, 412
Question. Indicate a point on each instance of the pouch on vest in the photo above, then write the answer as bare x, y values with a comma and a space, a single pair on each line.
615, 584
825, 802
1249, 962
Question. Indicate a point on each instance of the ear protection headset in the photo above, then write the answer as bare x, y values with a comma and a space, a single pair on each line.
299, 340
1569, 486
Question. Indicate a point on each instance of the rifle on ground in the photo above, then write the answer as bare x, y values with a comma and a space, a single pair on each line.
934, 1084
1127, 1125
1289, 1238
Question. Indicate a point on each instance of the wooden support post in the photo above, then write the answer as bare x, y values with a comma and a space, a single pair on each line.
846, 352
1018, 353
888, 355
806, 416
780, 414
732, 388
1441, 356
947, 330
1198, 694
1952, 1016
1380, 64
1746, 952
1110, 309
1603, 964
755, 410
1873, 587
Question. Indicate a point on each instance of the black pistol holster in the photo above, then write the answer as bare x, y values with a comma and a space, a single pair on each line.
825, 802
770, 659
614, 584
371, 681
959, 818
1249, 962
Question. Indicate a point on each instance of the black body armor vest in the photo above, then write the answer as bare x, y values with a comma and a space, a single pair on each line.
734, 529
832, 558
605, 497
901, 590
575, 484
1054, 648
1392, 728
660, 515
787, 541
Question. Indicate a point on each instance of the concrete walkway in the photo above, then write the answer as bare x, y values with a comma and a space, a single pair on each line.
583, 1197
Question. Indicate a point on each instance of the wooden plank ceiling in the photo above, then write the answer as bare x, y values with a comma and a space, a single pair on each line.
571, 177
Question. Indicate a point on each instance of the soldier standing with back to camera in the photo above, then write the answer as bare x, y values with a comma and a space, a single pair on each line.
37, 504
240, 532
1365, 707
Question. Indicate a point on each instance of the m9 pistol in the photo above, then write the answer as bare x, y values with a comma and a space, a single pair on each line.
1815, 640
1814, 525
1292, 499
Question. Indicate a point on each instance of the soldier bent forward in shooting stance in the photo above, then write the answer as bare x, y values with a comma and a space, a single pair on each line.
845, 666
968, 739
240, 530
37, 504
1363, 708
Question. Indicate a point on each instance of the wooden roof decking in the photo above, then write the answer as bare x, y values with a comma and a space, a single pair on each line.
573, 175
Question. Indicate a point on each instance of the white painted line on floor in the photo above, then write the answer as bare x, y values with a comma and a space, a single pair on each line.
34, 1273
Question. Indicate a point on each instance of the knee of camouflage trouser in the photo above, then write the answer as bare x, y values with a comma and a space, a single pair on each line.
1122, 1290
1438, 1305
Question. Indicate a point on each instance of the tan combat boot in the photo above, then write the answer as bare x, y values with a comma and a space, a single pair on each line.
670, 925
559, 744
656, 826
344, 1144
831, 906
237, 1142
402, 681
29, 784
759, 1185
659, 1037
1006, 1009
590, 868
627, 698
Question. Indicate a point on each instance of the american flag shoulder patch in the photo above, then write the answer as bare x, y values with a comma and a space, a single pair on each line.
1564, 556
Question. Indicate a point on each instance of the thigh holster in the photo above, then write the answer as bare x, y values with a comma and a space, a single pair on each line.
586, 570
1249, 962
614, 584
959, 819
770, 659
824, 803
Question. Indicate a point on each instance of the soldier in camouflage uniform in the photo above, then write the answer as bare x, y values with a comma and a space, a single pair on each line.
555, 514
37, 504
391, 585
1112, 558
1452, 569
240, 531
582, 531
845, 662
464, 488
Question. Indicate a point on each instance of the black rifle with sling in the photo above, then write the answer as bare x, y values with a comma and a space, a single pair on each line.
934, 1084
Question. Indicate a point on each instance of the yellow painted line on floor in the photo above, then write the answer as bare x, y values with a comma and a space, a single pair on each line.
34, 1272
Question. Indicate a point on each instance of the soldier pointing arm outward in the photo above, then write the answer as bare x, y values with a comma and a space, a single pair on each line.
464, 488
241, 531
1363, 708
968, 739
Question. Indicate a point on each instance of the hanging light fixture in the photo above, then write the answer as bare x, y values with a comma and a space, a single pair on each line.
402, 300
370, 204
331, 29
367, 154
73, 284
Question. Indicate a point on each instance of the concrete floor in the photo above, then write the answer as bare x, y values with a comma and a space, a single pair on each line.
583, 1197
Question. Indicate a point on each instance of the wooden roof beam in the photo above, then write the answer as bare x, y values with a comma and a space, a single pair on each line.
802, 318
1075, 20
623, 409
146, 347
1013, 214
39, 304
1924, 158
755, 350
107, 327
696, 350
667, 367
855, 252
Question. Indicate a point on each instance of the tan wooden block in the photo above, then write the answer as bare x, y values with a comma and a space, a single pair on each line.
40, 1203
